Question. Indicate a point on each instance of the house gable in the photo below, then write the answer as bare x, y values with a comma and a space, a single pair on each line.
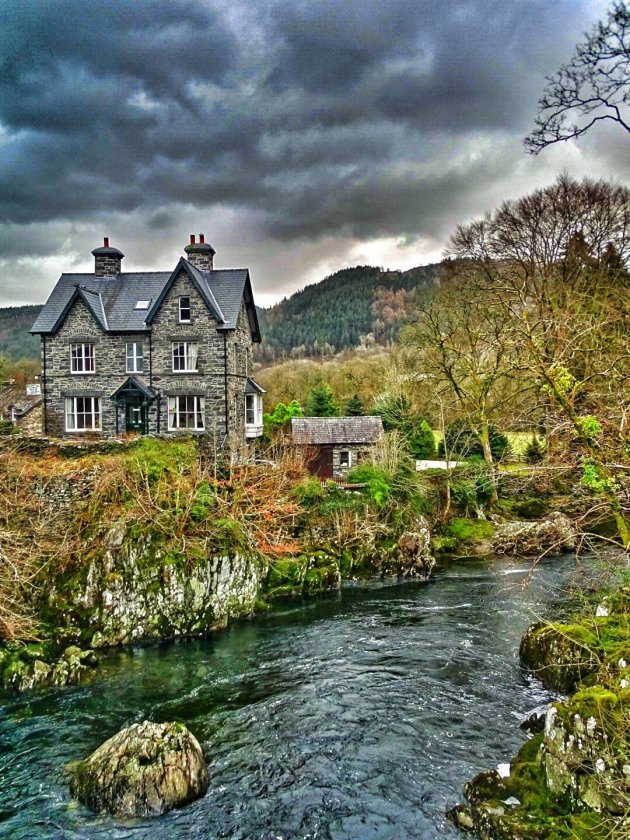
199, 283
92, 301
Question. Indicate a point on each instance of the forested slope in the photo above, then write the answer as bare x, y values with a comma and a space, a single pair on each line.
16, 343
342, 308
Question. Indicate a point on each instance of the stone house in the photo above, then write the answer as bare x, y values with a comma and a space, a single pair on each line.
158, 352
22, 405
335, 444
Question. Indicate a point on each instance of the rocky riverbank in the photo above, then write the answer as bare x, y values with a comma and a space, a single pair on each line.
572, 780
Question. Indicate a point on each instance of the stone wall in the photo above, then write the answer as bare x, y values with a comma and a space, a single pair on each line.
357, 453
31, 422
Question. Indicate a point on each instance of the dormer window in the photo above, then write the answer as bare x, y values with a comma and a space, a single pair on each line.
142, 304
184, 310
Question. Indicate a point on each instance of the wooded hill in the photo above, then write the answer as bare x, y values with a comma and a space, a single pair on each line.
16, 343
353, 306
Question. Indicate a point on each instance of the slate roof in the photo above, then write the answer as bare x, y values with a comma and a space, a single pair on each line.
112, 299
319, 431
252, 387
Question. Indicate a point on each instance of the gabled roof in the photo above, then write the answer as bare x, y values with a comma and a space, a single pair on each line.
112, 300
134, 385
320, 431
199, 282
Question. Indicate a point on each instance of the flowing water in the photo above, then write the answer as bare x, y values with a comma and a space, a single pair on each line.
355, 715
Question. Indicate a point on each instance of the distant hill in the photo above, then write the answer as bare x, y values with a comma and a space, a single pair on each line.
341, 311
16, 343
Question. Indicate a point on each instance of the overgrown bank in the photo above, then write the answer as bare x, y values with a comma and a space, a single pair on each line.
122, 543
572, 779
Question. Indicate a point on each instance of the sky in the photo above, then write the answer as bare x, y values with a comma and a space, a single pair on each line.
300, 136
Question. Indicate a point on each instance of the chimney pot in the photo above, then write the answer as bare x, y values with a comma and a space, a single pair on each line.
106, 242
192, 238
202, 238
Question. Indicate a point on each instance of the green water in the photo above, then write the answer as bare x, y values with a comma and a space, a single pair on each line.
355, 715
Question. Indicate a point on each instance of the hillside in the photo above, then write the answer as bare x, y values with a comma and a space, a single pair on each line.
353, 305
15, 341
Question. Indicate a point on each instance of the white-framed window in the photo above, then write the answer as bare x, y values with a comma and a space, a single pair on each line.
345, 458
250, 409
185, 356
184, 310
142, 304
186, 412
253, 415
82, 358
135, 357
83, 414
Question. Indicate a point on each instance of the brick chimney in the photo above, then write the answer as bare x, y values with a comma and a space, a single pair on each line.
107, 260
200, 254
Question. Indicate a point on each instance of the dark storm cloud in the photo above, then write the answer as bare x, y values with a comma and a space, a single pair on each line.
319, 118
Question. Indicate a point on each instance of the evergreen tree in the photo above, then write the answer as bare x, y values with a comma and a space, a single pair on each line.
321, 402
354, 406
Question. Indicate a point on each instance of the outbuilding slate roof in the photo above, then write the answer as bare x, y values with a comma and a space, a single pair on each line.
321, 431
112, 300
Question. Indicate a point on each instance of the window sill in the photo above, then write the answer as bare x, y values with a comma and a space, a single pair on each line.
185, 431
84, 431
82, 372
179, 372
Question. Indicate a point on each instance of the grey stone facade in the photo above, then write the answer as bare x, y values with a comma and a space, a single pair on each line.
223, 348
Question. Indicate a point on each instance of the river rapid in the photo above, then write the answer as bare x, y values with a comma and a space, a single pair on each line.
350, 716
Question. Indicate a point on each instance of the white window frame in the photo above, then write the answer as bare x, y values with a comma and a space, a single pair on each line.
87, 408
347, 452
189, 358
82, 358
250, 413
187, 308
184, 407
134, 357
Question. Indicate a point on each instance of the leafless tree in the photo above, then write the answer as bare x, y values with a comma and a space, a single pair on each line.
593, 87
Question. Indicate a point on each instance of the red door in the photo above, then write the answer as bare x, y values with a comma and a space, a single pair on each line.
322, 463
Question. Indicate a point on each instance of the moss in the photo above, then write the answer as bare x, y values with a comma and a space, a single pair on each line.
288, 571
469, 530
321, 579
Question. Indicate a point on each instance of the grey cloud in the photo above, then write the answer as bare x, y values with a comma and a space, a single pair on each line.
307, 120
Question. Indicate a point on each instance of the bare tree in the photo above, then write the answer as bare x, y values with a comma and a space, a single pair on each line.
554, 263
593, 87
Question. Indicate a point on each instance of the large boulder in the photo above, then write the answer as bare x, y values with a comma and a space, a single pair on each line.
559, 655
144, 770
554, 534
412, 557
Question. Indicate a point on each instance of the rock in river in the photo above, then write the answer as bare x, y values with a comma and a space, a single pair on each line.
144, 770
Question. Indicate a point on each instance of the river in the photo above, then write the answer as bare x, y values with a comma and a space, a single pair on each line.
353, 716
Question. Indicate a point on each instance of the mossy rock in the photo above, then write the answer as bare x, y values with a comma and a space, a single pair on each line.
469, 531
560, 656
288, 571
144, 770
534, 507
322, 579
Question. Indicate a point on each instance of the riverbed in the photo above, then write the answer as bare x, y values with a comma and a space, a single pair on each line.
353, 716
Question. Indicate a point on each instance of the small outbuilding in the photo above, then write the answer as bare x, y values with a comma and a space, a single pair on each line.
335, 444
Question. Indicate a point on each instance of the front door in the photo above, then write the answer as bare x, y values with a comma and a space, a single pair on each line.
135, 415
